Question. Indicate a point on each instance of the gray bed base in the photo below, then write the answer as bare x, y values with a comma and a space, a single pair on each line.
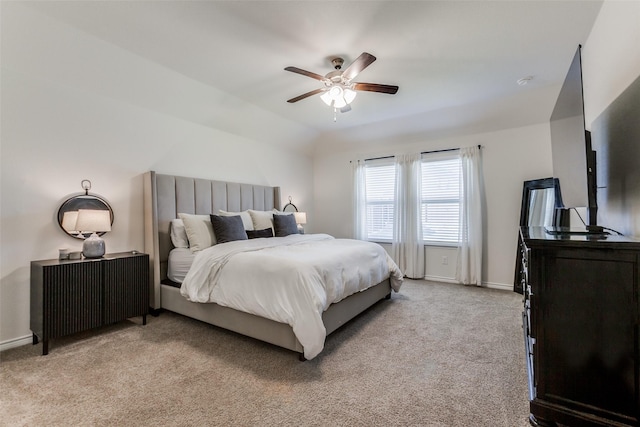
167, 195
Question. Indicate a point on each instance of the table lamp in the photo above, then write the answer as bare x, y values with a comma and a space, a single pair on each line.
93, 221
301, 219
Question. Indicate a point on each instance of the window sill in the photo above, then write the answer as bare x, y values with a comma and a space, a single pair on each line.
425, 243
441, 244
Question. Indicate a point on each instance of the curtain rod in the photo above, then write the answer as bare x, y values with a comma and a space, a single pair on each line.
440, 151
379, 158
423, 152
445, 150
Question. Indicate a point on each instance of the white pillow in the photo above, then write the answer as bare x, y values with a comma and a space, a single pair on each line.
178, 234
199, 231
261, 219
246, 218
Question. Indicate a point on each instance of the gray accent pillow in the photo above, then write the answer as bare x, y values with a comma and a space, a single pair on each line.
284, 225
228, 228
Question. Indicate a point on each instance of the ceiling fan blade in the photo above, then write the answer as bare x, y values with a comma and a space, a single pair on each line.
306, 95
373, 87
306, 73
361, 62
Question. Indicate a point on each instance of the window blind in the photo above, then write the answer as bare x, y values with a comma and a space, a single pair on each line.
440, 199
380, 193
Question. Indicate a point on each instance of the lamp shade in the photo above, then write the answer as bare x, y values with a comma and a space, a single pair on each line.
301, 217
69, 221
95, 221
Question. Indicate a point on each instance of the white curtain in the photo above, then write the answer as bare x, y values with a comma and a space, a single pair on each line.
407, 249
359, 200
469, 266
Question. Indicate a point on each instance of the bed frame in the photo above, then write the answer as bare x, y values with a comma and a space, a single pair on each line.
167, 195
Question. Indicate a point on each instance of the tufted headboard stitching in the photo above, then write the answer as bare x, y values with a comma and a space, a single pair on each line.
167, 195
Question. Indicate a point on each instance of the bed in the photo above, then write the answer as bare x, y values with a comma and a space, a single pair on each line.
166, 196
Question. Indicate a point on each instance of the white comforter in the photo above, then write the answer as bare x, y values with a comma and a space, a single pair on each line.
289, 279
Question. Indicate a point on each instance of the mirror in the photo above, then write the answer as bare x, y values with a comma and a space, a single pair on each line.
540, 198
68, 211
541, 207
290, 207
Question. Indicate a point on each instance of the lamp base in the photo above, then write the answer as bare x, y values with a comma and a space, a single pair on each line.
93, 247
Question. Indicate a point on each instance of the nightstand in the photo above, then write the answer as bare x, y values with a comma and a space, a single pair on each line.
69, 296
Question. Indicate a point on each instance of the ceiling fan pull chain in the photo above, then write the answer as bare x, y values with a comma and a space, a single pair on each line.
335, 114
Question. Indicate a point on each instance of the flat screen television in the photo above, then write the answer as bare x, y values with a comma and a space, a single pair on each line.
574, 161
616, 138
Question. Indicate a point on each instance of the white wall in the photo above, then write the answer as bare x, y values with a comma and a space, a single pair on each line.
610, 56
76, 108
509, 157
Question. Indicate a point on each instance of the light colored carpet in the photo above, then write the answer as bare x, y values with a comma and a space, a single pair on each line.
434, 355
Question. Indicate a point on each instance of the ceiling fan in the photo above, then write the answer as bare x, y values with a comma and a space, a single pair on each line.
339, 90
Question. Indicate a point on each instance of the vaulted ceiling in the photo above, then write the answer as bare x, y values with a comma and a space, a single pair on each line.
457, 63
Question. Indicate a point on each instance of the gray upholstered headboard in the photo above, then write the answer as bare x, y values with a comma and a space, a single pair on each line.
167, 195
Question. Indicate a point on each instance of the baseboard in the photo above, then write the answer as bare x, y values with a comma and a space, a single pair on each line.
500, 286
440, 279
16, 342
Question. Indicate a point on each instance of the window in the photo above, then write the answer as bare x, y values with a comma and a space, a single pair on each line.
380, 193
441, 195
419, 199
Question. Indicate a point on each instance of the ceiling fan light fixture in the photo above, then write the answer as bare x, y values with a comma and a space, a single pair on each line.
336, 92
349, 95
339, 103
326, 98
338, 96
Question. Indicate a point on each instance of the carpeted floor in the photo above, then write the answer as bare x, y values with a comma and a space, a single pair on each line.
434, 355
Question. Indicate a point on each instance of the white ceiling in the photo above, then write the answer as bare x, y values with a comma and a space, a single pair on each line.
456, 63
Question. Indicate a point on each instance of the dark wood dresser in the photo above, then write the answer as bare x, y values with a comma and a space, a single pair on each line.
581, 317
69, 296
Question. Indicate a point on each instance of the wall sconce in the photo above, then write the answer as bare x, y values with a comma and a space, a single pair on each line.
93, 221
